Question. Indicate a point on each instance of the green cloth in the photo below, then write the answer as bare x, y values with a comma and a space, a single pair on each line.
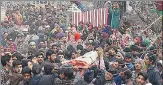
147, 42
115, 20
157, 11
80, 28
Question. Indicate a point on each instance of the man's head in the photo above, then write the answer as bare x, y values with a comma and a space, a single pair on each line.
42, 44
6, 60
109, 74
33, 59
55, 47
60, 56
5, 34
36, 69
117, 64
119, 56
48, 67
40, 57
149, 59
17, 66
89, 46
51, 55
79, 48
17, 56
66, 72
127, 74
74, 55
32, 45
128, 57
26, 73
111, 51
141, 78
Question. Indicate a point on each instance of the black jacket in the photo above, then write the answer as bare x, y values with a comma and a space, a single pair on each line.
154, 75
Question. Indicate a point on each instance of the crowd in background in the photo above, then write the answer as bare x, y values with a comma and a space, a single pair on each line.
35, 56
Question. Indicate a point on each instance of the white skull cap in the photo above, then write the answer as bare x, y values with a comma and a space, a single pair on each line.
32, 43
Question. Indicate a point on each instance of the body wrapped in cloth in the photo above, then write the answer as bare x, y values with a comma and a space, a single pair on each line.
83, 61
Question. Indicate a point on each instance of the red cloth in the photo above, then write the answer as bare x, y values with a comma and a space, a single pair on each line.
8, 17
77, 36
159, 5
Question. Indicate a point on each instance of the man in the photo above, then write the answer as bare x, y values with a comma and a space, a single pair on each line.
36, 70
32, 47
109, 54
40, 58
66, 76
18, 17
55, 47
129, 60
6, 62
152, 71
109, 77
142, 79
49, 76
17, 70
138, 68
11, 45
26, 76
51, 56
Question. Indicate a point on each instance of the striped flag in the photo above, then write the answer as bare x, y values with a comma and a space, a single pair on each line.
96, 17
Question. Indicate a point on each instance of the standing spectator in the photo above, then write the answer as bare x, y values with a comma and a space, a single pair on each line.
51, 55
109, 77
138, 68
48, 77
115, 11
16, 77
36, 70
6, 62
40, 58
152, 71
18, 17
142, 79
66, 76
129, 60
26, 76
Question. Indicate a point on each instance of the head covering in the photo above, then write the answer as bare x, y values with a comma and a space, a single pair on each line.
127, 49
134, 48
60, 35
139, 60
121, 54
152, 57
32, 43
128, 55
146, 42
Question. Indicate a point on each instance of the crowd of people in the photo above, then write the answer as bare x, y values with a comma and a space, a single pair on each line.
35, 56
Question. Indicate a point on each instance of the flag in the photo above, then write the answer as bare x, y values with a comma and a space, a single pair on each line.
96, 17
